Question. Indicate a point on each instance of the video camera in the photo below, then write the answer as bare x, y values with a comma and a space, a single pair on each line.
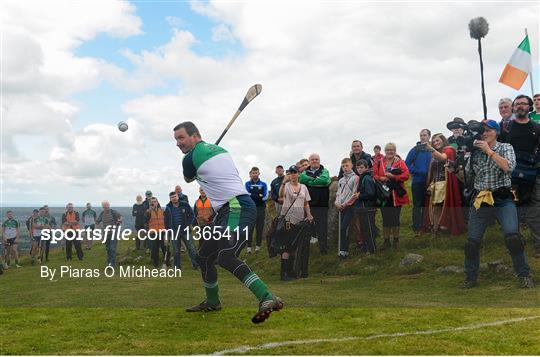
475, 129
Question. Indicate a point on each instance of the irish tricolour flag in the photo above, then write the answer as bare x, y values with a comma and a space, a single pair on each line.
519, 66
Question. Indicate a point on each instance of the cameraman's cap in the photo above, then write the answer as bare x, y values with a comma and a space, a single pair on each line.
293, 169
456, 123
492, 124
148, 193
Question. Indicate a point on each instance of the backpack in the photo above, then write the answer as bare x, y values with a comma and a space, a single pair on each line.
382, 192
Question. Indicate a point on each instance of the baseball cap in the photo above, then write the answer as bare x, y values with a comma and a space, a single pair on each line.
293, 169
148, 193
490, 123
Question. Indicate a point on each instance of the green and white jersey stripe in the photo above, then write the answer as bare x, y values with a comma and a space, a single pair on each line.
89, 217
215, 171
40, 220
10, 228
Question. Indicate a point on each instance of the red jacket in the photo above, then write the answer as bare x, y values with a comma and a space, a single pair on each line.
379, 171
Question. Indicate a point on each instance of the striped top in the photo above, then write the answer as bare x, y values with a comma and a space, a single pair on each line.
213, 168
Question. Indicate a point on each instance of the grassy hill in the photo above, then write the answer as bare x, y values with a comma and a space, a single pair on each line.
359, 298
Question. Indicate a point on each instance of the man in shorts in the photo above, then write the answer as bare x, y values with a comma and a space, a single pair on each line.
10, 234
38, 224
215, 171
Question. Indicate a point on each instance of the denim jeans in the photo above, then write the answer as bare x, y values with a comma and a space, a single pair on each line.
505, 212
176, 243
347, 216
419, 199
110, 246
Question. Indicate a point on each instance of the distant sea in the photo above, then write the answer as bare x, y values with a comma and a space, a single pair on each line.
22, 213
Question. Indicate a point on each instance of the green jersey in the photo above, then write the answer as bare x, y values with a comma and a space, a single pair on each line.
535, 117
10, 228
40, 221
89, 217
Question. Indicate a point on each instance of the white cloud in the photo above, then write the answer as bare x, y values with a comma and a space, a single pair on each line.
175, 22
331, 72
222, 33
39, 73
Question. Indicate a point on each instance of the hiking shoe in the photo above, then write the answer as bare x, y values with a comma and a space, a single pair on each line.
257, 248
266, 307
468, 284
525, 282
204, 306
248, 250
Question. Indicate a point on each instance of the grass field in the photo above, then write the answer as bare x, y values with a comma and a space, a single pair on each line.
344, 307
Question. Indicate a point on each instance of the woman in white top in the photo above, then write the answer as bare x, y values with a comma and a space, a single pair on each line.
295, 200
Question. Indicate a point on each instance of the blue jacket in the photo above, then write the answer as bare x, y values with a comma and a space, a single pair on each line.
258, 191
186, 215
418, 160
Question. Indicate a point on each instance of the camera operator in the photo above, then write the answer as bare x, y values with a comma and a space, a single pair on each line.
524, 136
492, 166
462, 141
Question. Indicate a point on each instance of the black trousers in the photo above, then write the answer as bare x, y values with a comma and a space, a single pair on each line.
225, 251
366, 218
154, 251
69, 249
259, 227
45, 249
301, 254
320, 215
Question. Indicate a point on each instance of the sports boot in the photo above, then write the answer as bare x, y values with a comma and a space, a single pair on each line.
204, 306
468, 284
266, 307
525, 282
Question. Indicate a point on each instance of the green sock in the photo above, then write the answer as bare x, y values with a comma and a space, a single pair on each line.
257, 286
212, 293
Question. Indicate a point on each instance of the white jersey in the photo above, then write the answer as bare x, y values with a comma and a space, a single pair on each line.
215, 171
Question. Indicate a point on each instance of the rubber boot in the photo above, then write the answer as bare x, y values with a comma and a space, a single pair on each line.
395, 244
386, 235
284, 270
290, 268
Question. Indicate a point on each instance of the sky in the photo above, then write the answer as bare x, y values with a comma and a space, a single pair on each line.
331, 72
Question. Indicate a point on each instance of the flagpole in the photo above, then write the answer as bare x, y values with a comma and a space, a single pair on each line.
531, 72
